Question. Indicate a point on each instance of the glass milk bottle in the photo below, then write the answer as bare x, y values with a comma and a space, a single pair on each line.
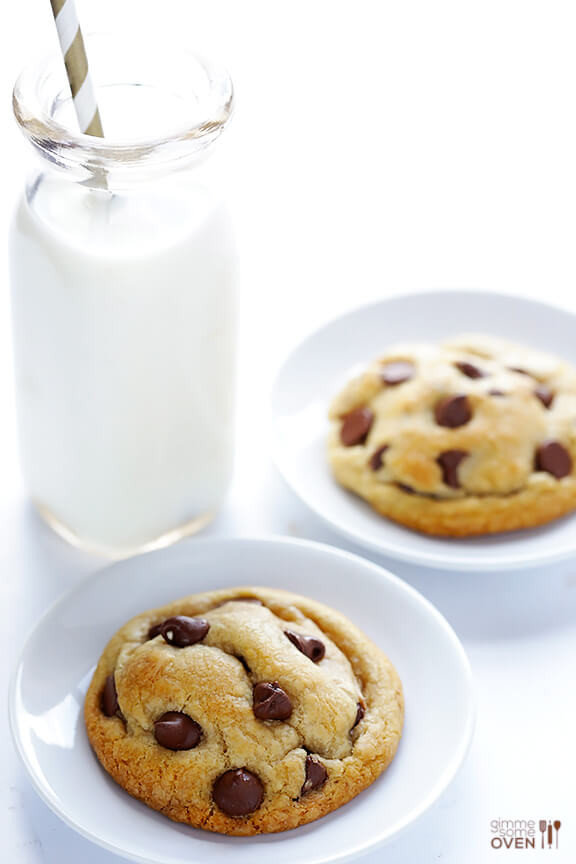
123, 282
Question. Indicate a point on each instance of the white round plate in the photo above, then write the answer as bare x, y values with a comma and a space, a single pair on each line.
52, 676
317, 369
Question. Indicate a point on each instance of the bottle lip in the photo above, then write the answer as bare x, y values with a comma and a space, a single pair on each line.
42, 87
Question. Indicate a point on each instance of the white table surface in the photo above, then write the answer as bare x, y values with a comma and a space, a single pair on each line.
376, 148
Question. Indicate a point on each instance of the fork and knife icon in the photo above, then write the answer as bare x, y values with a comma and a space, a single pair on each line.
546, 831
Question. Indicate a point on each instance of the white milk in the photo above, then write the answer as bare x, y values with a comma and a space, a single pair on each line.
124, 323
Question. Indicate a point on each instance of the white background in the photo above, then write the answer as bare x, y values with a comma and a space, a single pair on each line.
379, 147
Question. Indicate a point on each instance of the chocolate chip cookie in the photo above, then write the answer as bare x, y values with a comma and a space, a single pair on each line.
244, 711
473, 436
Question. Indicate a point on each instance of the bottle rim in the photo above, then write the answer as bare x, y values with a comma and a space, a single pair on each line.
42, 87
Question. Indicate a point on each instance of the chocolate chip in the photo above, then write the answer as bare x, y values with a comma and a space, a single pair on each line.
310, 646
177, 731
109, 697
155, 631
316, 775
271, 702
554, 458
449, 461
376, 459
452, 411
238, 793
397, 372
355, 426
469, 369
545, 395
496, 393
359, 714
183, 631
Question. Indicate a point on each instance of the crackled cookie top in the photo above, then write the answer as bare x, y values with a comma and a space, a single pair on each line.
243, 711
473, 435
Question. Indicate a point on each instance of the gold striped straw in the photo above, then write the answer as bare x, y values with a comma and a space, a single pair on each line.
72, 45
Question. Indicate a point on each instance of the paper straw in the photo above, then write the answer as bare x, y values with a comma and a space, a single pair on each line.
72, 45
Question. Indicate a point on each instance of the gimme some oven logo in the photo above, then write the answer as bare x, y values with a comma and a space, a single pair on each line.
524, 833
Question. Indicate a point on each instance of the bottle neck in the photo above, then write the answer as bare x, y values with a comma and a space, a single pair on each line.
163, 123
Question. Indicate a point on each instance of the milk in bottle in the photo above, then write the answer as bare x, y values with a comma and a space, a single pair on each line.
123, 279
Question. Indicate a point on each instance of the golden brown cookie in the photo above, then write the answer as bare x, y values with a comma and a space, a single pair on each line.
473, 436
244, 711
